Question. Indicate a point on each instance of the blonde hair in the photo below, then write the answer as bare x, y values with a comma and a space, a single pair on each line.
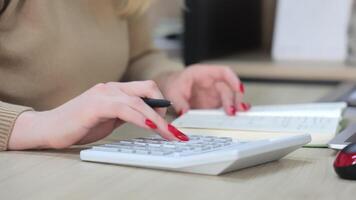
132, 7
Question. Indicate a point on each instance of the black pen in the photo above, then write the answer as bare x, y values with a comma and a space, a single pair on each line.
156, 103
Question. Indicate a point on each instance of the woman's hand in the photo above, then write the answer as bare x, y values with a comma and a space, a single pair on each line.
91, 116
204, 86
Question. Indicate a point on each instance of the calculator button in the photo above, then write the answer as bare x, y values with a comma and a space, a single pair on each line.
169, 145
103, 148
140, 148
154, 145
152, 141
185, 148
157, 146
142, 151
127, 150
161, 153
185, 153
217, 145
140, 143
119, 146
125, 142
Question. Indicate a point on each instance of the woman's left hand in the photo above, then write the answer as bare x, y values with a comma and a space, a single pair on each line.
204, 86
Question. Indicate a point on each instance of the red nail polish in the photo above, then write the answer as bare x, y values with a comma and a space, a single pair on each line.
242, 88
177, 133
245, 106
232, 110
248, 106
180, 113
150, 124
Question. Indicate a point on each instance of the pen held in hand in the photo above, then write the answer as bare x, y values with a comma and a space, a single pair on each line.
156, 103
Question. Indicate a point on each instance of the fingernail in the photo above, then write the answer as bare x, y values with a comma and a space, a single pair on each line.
180, 113
245, 106
232, 110
177, 133
242, 88
150, 124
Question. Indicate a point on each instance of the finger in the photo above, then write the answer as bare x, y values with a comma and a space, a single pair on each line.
142, 89
238, 100
227, 98
114, 109
243, 106
154, 120
124, 112
180, 104
227, 75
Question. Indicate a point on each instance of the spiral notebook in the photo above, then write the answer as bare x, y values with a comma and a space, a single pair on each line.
320, 120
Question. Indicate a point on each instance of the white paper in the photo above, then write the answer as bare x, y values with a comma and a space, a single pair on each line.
318, 119
311, 30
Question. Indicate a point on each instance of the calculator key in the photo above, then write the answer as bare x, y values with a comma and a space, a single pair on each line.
169, 145
185, 153
140, 148
217, 145
181, 144
103, 148
138, 140
154, 145
185, 148
118, 146
140, 151
161, 153
125, 142
227, 139
201, 148
152, 141
127, 150
158, 146
226, 143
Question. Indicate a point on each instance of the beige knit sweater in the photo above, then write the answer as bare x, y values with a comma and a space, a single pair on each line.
51, 51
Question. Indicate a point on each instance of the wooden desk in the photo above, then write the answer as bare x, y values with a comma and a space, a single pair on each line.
305, 174
259, 65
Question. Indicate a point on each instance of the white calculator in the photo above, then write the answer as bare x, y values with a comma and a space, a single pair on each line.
201, 154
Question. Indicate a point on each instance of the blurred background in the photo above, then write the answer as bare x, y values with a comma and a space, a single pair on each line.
199, 30
308, 45
285, 30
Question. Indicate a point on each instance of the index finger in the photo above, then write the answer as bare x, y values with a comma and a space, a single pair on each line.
227, 75
143, 89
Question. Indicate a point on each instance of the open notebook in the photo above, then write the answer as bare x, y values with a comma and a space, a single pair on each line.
320, 120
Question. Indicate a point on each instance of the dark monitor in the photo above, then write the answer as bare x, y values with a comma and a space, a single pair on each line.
214, 28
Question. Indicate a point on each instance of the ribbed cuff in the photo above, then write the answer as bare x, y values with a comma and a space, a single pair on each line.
8, 116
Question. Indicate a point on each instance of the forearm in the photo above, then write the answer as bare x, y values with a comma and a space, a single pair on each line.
24, 136
9, 114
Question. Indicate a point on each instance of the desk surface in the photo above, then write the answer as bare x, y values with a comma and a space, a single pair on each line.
259, 65
305, 174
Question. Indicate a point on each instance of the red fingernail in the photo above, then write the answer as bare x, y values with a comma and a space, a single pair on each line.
245, 106
180, 113
150, 124
177, 133
232, 110
242, 88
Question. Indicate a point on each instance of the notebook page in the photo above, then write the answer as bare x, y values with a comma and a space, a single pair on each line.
303, 107
307, 110
335, 113
311, 125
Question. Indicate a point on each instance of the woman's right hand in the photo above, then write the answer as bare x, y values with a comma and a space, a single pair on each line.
92, 116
